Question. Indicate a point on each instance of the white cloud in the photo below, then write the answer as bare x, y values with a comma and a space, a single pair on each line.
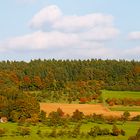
59, 44
40, 40
44, 40
82, 23
96, 25
134, 35
100, 34
53, 16
133, 52
60, 36
47, 15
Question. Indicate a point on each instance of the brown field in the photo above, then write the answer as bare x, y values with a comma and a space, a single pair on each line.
87, 109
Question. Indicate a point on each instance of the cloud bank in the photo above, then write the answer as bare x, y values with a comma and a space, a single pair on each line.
68, 36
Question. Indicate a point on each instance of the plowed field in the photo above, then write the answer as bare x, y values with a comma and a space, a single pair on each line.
87, 109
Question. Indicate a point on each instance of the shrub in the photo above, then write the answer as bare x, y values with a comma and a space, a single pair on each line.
122, 132
92, 132
60, 112
76, 131
55, 119
105, 131
23, 131
77, 115
125, 116
2, 132
42, 116
83, 100
97, 131
124, 101
132, 138
136, 118
138, 134
98, 118
115, 131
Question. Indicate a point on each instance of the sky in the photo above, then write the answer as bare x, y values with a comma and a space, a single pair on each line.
69, 29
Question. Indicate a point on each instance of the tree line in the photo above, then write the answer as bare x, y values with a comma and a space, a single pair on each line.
54, 74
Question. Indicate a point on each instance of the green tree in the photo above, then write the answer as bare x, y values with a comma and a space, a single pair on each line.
115, 131
125, 116
42, 116
77, 115
23, 131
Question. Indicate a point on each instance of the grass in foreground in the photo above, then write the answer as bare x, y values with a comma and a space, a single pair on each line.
85, 128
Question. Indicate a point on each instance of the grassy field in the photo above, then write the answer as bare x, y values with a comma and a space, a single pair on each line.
120, 94
125, 108
85, 128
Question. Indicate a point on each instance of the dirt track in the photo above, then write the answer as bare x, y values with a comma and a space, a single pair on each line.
87, 109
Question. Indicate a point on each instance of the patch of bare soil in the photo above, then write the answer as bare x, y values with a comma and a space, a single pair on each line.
87, 109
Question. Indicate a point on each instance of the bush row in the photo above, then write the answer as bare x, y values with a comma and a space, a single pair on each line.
124, 101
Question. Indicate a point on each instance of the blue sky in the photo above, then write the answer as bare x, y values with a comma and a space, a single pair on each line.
75, 29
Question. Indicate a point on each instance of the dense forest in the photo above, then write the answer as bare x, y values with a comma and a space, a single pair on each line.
51, 74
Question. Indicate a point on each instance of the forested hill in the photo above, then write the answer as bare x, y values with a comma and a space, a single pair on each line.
42, 74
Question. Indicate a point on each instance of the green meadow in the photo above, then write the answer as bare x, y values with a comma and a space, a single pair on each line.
120, 94
129, 127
